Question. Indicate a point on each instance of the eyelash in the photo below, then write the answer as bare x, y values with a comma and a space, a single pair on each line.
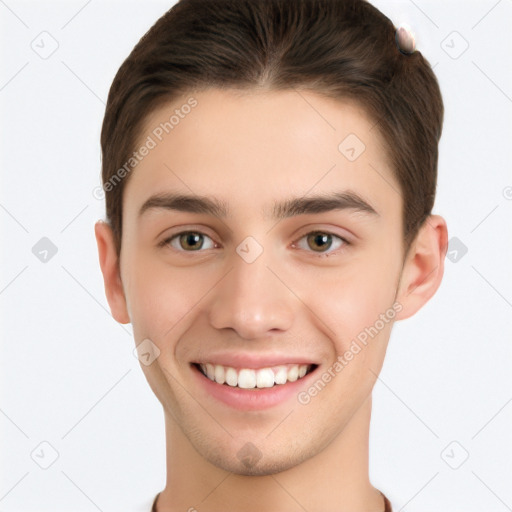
345, 242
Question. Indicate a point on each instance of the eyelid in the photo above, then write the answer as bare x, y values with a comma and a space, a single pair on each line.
187, 228
347, 236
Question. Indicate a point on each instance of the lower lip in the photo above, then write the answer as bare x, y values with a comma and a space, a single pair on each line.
252, 399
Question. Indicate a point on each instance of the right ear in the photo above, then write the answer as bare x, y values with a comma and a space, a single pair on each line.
109, 263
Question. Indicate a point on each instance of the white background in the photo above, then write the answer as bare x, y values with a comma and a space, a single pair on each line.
68, 374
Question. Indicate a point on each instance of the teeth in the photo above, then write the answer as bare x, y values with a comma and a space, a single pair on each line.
264, 378
219, 374
293, 373
281, 376
231, 377
249, 379
210, 371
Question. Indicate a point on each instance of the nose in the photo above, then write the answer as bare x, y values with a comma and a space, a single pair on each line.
252, 299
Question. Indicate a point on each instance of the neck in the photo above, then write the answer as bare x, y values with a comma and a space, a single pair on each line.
334, 479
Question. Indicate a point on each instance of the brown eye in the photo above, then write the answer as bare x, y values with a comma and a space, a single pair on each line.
192, 241
189, 241
321, 242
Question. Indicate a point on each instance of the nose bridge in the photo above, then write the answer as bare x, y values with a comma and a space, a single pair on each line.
251, 299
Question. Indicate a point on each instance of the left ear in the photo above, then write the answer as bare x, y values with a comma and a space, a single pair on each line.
424, 266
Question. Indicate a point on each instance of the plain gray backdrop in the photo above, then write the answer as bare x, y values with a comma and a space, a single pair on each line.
80, 428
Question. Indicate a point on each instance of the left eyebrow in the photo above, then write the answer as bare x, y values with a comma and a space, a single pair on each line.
343, 200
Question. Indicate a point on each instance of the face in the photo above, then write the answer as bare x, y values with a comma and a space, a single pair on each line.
284, 257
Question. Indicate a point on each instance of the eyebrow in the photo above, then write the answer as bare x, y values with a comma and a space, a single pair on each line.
345, 200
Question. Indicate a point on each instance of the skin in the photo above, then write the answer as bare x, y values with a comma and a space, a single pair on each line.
250, 150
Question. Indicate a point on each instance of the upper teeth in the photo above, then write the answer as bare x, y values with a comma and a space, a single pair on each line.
254, 378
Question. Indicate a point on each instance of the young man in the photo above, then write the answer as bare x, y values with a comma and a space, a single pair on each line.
270, 171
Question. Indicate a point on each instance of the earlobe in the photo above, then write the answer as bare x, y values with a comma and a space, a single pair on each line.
109, 263
424, 267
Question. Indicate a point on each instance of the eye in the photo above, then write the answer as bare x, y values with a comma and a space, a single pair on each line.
321, 241
188, 241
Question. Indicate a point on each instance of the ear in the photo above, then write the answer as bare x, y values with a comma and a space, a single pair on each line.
109, 263
424, 266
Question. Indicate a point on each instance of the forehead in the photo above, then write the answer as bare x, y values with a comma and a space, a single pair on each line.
247, 147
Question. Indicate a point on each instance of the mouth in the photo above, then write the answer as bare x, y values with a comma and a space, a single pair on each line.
254, 378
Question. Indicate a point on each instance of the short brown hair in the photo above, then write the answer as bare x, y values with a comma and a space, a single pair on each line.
343, 49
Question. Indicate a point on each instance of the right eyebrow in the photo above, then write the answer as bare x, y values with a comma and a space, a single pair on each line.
185, 203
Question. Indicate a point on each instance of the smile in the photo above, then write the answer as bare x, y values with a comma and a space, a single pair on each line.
252, 378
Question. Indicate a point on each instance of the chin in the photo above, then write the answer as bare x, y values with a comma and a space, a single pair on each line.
251, 460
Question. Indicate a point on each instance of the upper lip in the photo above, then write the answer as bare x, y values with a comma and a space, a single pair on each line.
253, 361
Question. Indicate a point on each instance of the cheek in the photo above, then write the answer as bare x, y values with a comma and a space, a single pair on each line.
354, 298
160, 298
